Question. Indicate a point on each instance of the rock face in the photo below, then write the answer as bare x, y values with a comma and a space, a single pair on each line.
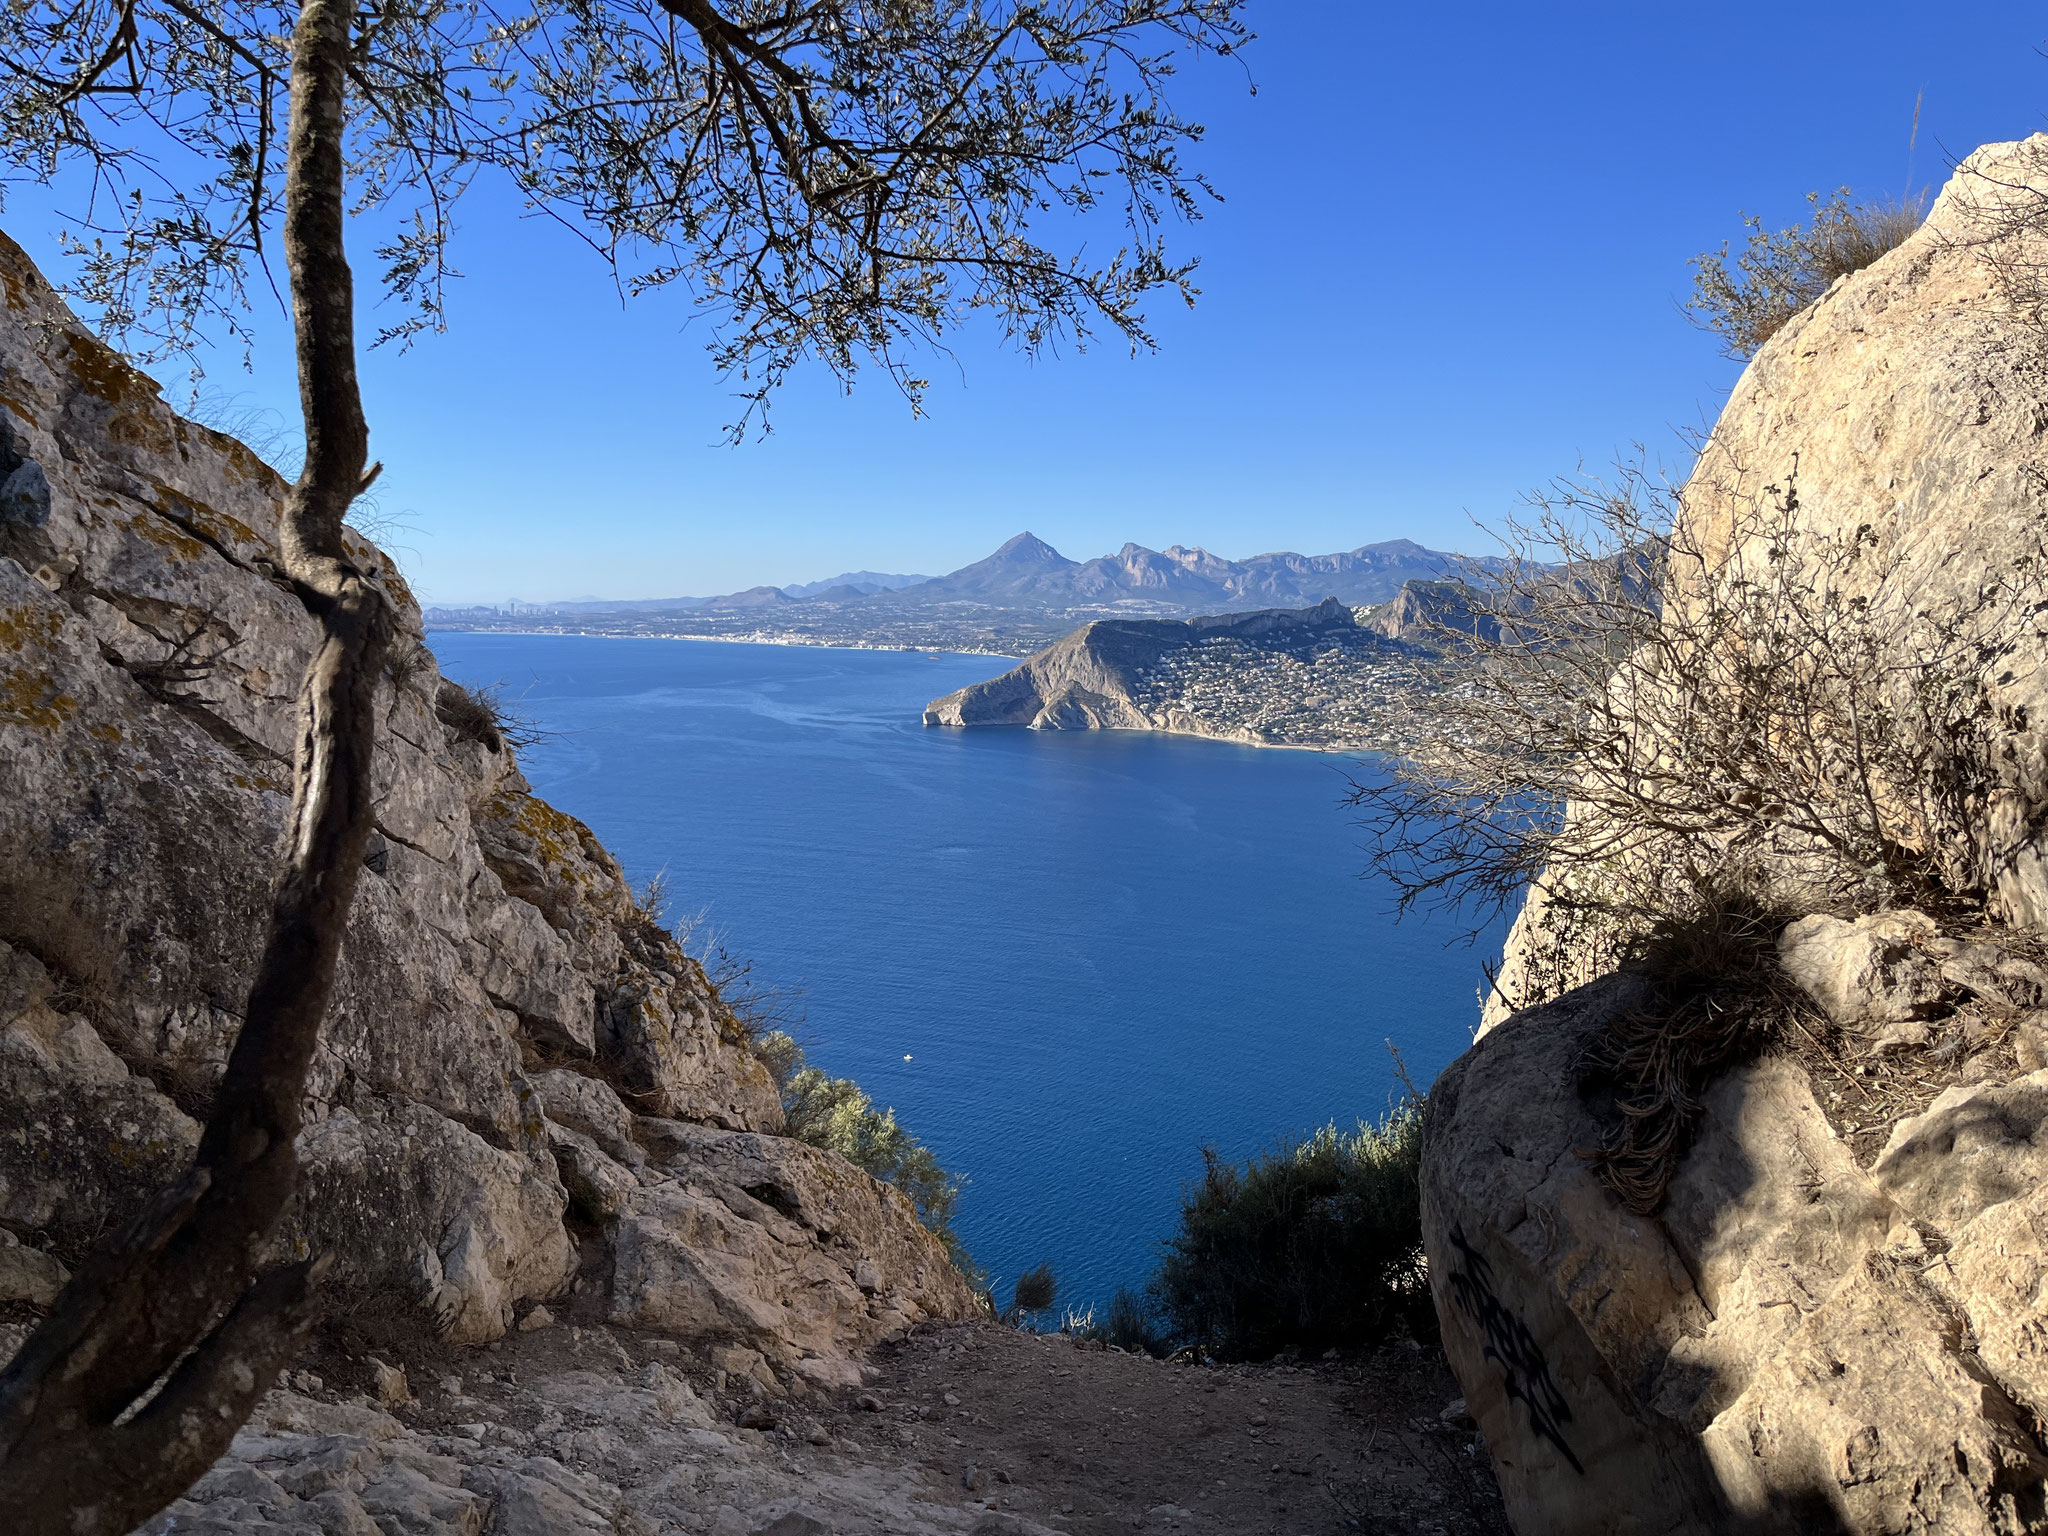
501, 1002
1799, 1340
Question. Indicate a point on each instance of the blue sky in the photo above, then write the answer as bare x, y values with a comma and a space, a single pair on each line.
1446, 269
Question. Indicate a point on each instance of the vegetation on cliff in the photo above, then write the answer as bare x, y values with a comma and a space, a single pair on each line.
1748, 297
1314, 1245
835, 1113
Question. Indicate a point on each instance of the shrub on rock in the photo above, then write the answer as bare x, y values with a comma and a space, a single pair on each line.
1314, 1245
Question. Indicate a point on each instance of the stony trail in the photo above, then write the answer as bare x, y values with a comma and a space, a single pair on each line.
957, 1430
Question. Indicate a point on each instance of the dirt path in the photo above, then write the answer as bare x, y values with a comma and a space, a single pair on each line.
957, 1430
1094, 1441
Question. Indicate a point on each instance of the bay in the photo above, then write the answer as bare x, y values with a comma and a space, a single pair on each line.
1068, 960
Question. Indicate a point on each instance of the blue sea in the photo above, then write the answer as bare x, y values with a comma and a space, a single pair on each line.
1068, 960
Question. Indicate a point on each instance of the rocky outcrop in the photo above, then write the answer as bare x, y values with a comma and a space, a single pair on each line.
1083, 682
1834, 1321
1266, 678
1792, 1334
506, 1020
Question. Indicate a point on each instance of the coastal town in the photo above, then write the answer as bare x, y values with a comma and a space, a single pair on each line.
1337, 690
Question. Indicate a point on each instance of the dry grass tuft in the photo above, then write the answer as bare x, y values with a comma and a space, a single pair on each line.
1716, 998
481, 714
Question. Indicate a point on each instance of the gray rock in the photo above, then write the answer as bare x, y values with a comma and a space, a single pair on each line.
1001, 1523
591, 1106
28, 1274
1973, 1148
1770, 1343
542, 1498
1869, 972
142, 795
738, 1247
404, 1501
25, 495
795, 1523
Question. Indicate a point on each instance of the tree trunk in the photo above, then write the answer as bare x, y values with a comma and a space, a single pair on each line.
178, 1290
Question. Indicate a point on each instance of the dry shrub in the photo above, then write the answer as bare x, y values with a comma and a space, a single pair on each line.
481, 714
1791, 712
1792, 719
1748, 297
1713, 998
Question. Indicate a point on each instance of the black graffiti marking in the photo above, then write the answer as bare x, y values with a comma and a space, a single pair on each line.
1508, 1340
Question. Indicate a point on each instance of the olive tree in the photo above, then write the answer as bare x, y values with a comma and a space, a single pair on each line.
837, 180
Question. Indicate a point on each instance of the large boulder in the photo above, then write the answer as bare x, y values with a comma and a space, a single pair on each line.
499, 988
1797, 1341
1785, 1342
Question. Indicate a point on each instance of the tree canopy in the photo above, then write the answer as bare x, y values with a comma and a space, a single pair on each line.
841, 180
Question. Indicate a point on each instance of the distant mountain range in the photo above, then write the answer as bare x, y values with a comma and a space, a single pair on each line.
1029, 575
843, 587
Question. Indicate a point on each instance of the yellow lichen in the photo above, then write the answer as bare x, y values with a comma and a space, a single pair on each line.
109, 375
180, 543
33, 702
215, 524
22, 626
138, 411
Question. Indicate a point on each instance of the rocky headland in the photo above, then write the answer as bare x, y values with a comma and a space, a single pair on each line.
1329, 677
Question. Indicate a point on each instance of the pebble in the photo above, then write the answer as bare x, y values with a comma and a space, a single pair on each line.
539, 1317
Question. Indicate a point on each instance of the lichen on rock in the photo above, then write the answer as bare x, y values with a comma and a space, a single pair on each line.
496, 972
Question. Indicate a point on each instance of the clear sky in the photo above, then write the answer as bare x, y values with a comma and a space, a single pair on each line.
1447, 268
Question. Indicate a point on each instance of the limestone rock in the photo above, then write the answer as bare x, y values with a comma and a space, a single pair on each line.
1778, 1345
27, 1274
1908, 397
757, 1238
1973, 1148
472, 1229
501, 1002
665, 1048
591, 1106
1871, 971
598, 1187
1560, 1309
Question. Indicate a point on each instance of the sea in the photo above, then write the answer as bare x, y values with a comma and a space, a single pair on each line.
1069, 961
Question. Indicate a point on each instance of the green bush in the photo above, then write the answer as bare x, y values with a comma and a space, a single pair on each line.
1036, 1290
833, 1113
1312, 1246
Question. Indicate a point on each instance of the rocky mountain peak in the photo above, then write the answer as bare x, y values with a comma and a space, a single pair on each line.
1027, 548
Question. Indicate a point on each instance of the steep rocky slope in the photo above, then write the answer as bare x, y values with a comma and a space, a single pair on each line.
521, 1078
1835, 1321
